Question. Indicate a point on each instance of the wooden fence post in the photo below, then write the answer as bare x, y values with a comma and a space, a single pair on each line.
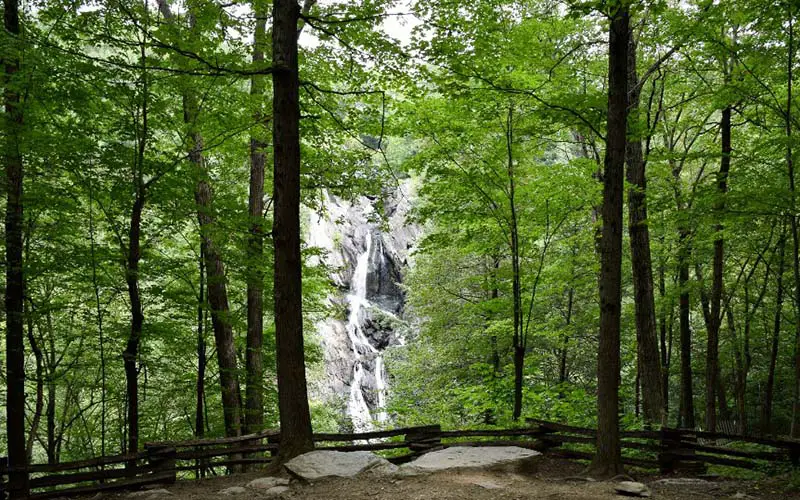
674, 457
275, 439
162, 459
548, 438
424, 439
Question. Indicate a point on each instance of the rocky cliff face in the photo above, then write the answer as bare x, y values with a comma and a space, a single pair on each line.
368, 257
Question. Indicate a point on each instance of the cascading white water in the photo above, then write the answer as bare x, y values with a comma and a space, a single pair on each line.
363, 351
365, 260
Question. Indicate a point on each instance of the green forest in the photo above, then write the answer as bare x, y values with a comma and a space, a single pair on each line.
222, 217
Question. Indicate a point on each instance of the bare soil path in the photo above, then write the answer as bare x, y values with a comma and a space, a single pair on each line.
555, 479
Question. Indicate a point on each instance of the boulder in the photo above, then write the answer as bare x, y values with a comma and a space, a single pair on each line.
632, 489
265, 483
505, 458
322, 464
233, 490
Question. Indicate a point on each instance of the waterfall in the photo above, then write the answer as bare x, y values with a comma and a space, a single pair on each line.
366, 259
357, 407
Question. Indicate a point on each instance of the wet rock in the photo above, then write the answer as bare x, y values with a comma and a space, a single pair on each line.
321, 464
367, 256
507, 458
632, 489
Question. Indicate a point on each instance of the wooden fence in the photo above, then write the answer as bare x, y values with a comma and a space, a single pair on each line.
668, 450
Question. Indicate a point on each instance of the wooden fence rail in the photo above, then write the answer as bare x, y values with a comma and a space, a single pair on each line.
669, 450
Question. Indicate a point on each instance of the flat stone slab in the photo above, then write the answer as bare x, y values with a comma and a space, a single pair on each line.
473, 457
322, 464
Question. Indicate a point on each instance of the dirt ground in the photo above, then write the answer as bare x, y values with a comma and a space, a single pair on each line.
554, 479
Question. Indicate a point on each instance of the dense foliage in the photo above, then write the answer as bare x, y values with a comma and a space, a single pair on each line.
138, 124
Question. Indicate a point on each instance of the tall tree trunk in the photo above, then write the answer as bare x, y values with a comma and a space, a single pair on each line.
215, 268
50, 408
766, 408
649, 364
137, 320
99, 312
519, 338
131, 352
494, 294
216, 286
15, 281
295, 417
712, 349
254, 392
666, 336
200, 386
607, 461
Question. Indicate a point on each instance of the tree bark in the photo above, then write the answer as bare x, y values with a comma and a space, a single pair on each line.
254, 392
649, 364
15, 280
295, 417
712, 349
137, 320
607, 461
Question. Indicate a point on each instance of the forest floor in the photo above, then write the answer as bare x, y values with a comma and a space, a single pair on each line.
554, 479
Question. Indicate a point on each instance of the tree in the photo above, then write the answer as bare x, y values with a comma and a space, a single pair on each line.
132, 258
607, 461
254, 395
215, 268
15, 278
296, 433
649, 364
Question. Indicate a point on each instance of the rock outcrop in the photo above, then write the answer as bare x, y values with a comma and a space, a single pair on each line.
366, 253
